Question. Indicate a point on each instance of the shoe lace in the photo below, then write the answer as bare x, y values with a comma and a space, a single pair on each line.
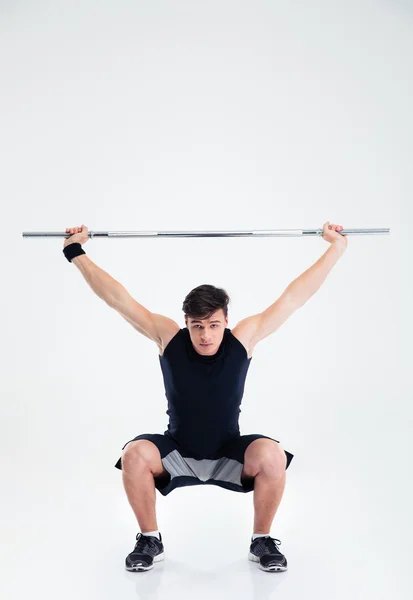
144, 544
271, 544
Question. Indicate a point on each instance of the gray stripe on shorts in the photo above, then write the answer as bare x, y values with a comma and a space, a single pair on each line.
221, 469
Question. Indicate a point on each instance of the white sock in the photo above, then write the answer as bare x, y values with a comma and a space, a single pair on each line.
255, 535
154, 533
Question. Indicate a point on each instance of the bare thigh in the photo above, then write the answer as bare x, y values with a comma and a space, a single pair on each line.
146, 451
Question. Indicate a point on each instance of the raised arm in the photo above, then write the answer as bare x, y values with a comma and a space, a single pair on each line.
253, 329
155, 327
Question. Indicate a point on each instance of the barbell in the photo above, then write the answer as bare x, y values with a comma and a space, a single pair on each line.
184, 234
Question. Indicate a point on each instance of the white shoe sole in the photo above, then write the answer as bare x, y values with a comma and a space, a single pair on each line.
139, 567
274, 569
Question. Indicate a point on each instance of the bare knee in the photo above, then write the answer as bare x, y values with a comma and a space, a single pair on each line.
142, 454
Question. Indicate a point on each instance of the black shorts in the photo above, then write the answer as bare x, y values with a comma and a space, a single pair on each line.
183, 469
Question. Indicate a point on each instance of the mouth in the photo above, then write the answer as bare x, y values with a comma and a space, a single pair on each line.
206, 345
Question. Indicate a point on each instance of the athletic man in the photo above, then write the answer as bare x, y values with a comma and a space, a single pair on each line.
204, 367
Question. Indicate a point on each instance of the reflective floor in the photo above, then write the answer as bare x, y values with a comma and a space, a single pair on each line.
67, 528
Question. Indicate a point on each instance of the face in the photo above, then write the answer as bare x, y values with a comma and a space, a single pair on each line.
206, 334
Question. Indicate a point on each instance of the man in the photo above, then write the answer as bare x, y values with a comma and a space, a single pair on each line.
204, 367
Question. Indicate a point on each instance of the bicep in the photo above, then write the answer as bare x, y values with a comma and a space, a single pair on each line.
142, 319
257, 327
275, 315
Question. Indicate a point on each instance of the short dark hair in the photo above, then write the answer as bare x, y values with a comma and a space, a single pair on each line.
204, 300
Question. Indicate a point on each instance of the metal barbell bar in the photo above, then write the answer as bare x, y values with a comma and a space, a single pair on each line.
182, 234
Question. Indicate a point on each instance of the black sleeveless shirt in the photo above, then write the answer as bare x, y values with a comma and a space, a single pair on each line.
204, 393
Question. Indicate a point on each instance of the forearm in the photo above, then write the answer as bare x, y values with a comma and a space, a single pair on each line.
104, 286
309, 282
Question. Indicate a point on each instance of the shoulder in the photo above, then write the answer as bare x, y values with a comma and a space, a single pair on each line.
168, 331
245, 332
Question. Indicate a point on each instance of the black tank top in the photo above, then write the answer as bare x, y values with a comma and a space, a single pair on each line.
204, 393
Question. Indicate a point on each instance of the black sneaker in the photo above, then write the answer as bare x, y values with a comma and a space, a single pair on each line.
264, 550
148, 549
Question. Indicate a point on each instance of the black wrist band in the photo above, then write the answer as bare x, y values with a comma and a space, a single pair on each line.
73, 250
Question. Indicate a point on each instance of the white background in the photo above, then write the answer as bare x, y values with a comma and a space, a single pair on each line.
193, 115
